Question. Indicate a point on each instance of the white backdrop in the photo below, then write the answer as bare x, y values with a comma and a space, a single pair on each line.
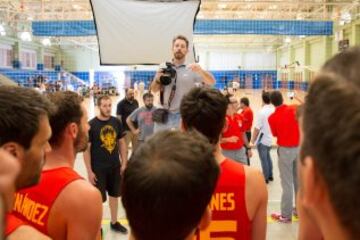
141, 32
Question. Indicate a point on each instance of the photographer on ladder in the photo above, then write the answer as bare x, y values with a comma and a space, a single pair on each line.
174, 81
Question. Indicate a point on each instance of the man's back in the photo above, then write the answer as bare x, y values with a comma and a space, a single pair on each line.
262, 124
238, 212
284, 126
28, 233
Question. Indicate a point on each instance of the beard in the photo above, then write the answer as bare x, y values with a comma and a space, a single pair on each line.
149, 106
31, 178
105, 114
81, 141
179, 56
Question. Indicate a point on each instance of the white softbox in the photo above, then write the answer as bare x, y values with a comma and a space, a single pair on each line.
141, 32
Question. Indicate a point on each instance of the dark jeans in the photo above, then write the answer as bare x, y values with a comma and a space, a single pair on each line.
265, 159
248, 136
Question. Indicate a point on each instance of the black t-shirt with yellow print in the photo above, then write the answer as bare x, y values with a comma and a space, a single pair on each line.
104, 138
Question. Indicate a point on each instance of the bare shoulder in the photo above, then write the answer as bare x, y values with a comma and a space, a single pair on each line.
78, 191
255, 180
77, 196
28, 233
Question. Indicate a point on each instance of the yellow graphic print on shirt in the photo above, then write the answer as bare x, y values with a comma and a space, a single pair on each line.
108, 138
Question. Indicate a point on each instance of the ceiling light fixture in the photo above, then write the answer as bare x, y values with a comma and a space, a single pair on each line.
222, 5
46, 42
2, 30
287, 40
25, 36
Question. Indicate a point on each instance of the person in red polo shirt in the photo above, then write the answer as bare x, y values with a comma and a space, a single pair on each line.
248, 118
284, 126
233, 141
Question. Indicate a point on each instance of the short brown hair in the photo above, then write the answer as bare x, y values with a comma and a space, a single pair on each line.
276, 98
204, 110
168, 184
68, 110
102, 97
20, 112
331, 127
181, 37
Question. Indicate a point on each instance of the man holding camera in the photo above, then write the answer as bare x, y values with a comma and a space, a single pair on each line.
183, 79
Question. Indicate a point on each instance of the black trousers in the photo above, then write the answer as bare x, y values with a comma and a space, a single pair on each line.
248, 136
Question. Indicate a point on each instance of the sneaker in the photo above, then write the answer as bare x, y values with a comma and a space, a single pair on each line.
294, 213
117, 227
279, 218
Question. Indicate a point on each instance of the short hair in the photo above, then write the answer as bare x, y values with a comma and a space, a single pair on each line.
168, 185
345, 64
245, 101
103, 97
128, 89
331, 123
204, 110
68, 110
265, 97
20, 112
276, 98
181, 37
147, 95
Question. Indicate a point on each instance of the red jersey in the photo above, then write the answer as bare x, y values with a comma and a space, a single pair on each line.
11, 224
234, 128
284, 126
33, 204
248, 118
229, 214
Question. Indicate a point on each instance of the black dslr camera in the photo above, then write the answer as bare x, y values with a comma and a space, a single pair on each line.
169, 74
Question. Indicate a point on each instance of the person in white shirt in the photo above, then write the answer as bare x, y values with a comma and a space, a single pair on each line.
235, 86
262, 137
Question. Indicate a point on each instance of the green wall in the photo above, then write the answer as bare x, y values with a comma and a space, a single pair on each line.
313, 52
18, 45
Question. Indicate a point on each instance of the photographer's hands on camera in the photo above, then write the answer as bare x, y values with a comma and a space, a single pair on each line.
194, 67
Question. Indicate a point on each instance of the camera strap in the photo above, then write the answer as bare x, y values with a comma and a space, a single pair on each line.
172, 93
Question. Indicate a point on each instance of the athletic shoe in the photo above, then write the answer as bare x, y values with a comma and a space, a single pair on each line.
294, 213
279, 218
117, 227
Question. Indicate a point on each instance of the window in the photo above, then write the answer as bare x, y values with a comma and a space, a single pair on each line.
49, 61
6, 56
28, 59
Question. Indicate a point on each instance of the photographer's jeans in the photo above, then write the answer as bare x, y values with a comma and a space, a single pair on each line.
172, 123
